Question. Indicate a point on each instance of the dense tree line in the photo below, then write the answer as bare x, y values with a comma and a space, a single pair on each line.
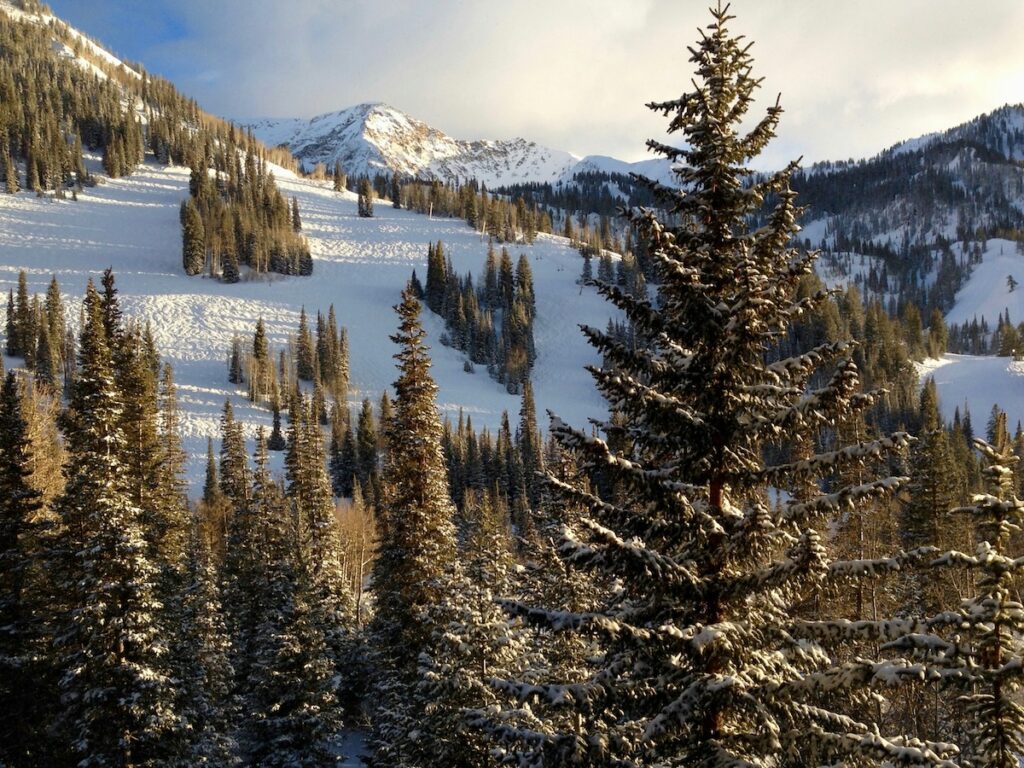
504, 219
491, 322
590, 193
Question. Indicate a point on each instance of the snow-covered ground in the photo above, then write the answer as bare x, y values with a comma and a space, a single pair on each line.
987, 291
131, 224
979, 383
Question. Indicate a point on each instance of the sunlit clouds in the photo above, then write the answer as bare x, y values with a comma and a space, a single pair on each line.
574, 74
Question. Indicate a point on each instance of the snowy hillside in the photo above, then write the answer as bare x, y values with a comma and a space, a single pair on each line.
978, 383
131, 224
987, 292
375, 138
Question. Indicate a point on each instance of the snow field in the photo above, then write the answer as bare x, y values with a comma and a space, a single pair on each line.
987, 293
131, 224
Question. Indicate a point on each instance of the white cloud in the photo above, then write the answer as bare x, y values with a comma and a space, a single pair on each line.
854, 77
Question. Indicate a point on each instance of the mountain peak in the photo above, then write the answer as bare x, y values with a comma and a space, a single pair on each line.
375, 137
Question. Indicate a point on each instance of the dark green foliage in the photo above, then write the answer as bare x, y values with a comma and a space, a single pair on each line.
202, 660
276, 441
416, 556
305, 367
506, 348
288, 681
115, 687
234, 464
23, 675
695, 658
244, 217
365, 202
343, 462
193, 238
366, 445
235, 374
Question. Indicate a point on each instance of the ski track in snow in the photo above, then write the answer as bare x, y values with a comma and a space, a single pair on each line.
361, 265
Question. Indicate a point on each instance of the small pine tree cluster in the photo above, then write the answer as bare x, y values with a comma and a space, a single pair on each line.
320, 358
493, 322
507, 467
36, 331
357, 448
502, 220
237, 216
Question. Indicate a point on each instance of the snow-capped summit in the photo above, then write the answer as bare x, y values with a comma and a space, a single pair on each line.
377, 138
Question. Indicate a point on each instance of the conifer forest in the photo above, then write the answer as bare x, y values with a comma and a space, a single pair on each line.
775, 549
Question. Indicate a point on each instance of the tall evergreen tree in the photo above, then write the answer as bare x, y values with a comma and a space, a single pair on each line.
416, 556
305, 352
23, 688
203, 663
366, 444
193, 246
698, 660
310, 495
290, 676
119, 703
365, 199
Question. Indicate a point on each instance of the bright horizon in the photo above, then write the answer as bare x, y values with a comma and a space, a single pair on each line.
854, 78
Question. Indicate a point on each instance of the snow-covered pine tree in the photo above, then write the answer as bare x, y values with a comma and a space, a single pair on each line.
290, 678
474, 640
995, 658
23, 688
202, 661
312, 503
698, 665
118, 700
978, 647
305, 352
234, 465
416, 559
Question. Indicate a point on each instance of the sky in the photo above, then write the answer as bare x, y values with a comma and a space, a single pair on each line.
854, 77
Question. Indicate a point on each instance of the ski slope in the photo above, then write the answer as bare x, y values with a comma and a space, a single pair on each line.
987, 291
131, 224
978, 383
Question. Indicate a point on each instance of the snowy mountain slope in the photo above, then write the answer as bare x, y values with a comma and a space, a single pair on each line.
131, 224
987, 292
86, 52
657, 168
978, 383
1001, 131
374, 138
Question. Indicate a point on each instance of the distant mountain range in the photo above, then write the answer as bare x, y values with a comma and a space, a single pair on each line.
371, 139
